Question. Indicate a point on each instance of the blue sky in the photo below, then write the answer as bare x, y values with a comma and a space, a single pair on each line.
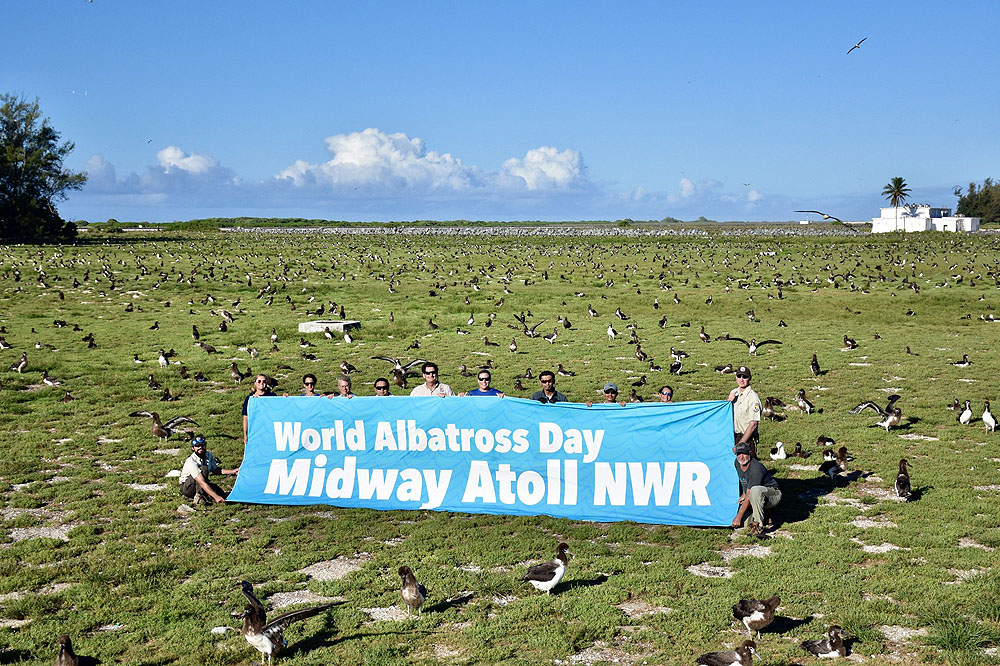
513, 110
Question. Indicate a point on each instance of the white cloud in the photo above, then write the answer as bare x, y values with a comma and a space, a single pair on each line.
100, 173
547, 168
687, 188
172, 157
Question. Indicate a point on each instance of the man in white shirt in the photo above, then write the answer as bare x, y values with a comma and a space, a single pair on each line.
194, 474
431, 385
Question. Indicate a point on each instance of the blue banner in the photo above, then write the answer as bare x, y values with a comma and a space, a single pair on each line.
650, 463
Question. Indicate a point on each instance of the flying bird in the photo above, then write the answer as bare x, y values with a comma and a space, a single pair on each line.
817, 212
753, 345
856, 46
163, 430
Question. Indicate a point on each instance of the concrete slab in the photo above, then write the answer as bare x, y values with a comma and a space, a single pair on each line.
339, 325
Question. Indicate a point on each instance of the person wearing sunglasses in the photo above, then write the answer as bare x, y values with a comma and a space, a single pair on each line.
261, 389
309, 386
666, 394
199, 465
484, 378
610, 395
431, 385
746, 411
382, 387
548, 392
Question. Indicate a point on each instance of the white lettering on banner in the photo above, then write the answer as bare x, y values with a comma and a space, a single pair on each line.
289, 436
528, 487
551, 438
611, 487
338, 483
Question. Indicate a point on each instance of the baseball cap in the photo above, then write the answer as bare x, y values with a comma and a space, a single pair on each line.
742, 448
199, 440
611, 386
743, 370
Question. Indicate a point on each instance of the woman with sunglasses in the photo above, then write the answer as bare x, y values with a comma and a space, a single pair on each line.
309, 386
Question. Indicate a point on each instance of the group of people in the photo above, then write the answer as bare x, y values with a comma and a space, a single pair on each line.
759, 492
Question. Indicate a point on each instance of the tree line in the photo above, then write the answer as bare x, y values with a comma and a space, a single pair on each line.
982, 201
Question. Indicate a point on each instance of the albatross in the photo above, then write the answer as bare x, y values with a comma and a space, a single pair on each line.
546, 576
267, 636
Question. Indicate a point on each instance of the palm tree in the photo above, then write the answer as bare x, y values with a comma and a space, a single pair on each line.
896, 192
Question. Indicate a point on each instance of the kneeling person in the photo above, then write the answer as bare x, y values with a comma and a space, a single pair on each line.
758, 489
194, 475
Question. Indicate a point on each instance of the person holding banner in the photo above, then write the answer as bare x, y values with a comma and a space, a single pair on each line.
194, 481
746, 411
309, 386
548, 392
484, 389
260, 390
758, 490
431, 385
666, 394
382, 387
343, 388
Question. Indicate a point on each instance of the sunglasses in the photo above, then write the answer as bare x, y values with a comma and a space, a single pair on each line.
547, 381
610, 391
484, 379
382, 388
668, 394
430, 372
309, 383
743, 376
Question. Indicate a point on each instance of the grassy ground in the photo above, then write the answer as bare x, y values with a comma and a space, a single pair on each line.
93, 544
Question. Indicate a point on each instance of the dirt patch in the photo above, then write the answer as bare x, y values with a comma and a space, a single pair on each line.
745, 551
335, 569
993, 487
21, 533
883, 547
901, 634
865, 522
145, 487
389, 613
912, 436
970, 543
881, 493
441, 651
13, 624
599, 652
962, 575
504, 601
638, 608
706, 570
166, 452
283, 599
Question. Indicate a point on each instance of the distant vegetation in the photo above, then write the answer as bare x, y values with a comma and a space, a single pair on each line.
982, 201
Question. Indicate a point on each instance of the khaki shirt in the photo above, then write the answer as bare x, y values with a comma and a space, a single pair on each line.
195, 465
746, 409
439, 390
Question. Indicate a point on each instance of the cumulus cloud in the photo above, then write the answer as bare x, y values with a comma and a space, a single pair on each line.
172, 158
547, 168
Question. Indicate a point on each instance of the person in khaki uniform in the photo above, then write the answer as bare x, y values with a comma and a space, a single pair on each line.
746, 411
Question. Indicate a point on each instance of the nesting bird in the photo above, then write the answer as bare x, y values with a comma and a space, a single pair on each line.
741, 656
829, 647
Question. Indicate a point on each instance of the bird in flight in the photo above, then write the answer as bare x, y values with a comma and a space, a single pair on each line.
856, 46
818, 212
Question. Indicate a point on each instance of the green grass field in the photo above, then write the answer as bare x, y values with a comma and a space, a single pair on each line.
93, 544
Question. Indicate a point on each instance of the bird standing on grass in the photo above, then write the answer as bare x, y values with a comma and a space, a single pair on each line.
267, 636
413, 592
755, 614
66, 656
902, 486
546, 576
966, 414
988, 418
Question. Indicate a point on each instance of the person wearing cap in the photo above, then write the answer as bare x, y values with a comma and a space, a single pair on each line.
610, 394
746, 411
199, 465
758, 490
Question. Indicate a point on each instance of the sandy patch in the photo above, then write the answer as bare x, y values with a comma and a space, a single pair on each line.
283, 599
13, 624
599, 652
834, 500
865, 522
145, 487
745, 551
993, 487
882, 493
962, 575
901, 634
21, 533
166, 452
803, 468
860, 365
111, 627
504, 601
638, 608
912, 436
883, 547
971, 543
388, 613
709, 571
335, 569
471, 568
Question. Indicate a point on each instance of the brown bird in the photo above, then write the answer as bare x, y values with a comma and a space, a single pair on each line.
66, 656
755, 614
413, 592
163, 430
267, 636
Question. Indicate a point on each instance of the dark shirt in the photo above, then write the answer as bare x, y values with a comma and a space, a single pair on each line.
489, 391
755, 475
246, 402
540, 396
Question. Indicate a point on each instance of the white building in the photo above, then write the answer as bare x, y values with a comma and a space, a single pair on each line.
913, 217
